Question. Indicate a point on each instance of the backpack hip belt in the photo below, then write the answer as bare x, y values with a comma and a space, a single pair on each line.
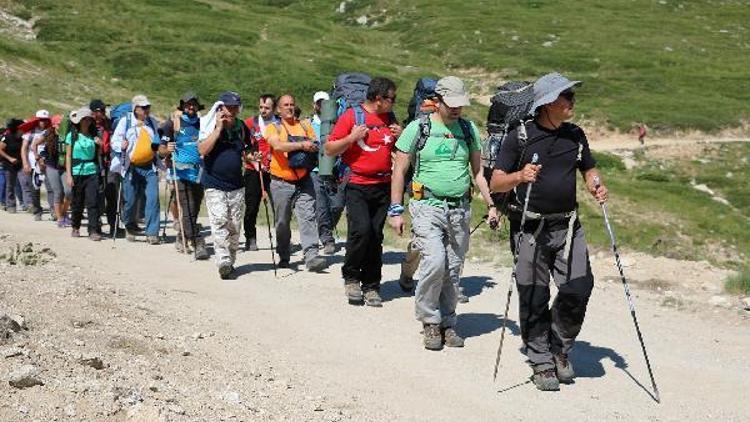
450, 201
571, 216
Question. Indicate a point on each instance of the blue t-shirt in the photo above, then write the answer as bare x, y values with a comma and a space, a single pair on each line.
223, 165
186, 157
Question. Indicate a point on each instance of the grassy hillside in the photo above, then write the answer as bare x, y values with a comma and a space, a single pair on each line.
671, 64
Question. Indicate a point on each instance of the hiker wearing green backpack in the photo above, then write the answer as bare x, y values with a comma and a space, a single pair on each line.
546, 154
82, 171
444, 149
134, 145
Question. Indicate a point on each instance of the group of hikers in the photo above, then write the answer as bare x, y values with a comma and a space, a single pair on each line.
361, 160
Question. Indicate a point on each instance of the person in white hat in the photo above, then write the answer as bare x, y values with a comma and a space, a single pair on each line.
134, 145
551, 244
82, 163
444, 150
32, 147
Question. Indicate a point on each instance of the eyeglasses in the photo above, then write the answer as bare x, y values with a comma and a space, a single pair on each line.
569, 95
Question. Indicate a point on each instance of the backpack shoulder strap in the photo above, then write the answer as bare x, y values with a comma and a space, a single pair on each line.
466, 129
419, 141
359, 115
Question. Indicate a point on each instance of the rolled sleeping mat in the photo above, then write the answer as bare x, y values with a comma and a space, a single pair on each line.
327, 120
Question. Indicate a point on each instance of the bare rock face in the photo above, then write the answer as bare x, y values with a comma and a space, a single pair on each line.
25, 377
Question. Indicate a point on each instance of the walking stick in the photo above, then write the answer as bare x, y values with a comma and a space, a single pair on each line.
629, 298
268, 219
179, 207
166, 212
534, 160
117, 214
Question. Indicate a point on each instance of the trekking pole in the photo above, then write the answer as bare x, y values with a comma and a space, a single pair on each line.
117, 215
166, 211
478, 225
179, 207
264, 195
631, 305
534, 160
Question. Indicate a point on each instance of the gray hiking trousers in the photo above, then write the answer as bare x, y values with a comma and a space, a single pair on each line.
547, 331
300, 198
440, 236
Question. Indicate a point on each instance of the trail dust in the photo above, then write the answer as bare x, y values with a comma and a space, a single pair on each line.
138, 332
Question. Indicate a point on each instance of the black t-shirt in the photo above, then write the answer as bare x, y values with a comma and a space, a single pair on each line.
13, 142
555, 187
223, 165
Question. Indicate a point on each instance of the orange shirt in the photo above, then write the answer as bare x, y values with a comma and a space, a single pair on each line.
279, 161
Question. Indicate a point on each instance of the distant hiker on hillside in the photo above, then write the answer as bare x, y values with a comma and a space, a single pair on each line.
10, 158
31, 177
110, 180
552, 239
222, 142
364, 136
53, 161
642, 132
82, 171
137, 135
294, 152
329, 193
252, 179
179, 141
445, 150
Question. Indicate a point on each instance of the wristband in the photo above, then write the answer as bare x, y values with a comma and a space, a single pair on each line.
395, 210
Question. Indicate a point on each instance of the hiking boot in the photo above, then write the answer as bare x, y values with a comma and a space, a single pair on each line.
152, 240
432, 338
96, 237
37, 217
179, 247
372, 298
251, 244
353, 292
546, 380
316, 264
406, 283
75, 233
201, 252
10, 210
134, 229
462, 298
564, 368
284, 263
225, 271
451, 338
329, 248
129, 235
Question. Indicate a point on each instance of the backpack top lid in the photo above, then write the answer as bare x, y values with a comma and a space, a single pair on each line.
423, 92
352, 88
511, 104
119, 111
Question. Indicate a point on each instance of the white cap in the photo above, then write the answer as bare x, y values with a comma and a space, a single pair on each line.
77, 115
42, 114
140, 101
321, 95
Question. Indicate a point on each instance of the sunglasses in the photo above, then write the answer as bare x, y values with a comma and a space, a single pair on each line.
568, 95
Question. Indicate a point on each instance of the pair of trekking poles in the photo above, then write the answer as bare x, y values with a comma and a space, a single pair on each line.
631, 305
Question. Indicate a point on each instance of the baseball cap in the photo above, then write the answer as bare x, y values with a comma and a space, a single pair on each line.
140, 101
97, 104
42, 114
453, 92
77, 115
321, 95
230, 98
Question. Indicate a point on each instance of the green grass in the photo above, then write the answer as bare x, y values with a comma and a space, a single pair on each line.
739, 283
672, 65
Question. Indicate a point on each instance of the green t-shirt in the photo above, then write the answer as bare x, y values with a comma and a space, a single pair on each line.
445, 174
84, 155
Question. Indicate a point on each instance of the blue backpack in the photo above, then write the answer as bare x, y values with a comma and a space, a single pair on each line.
349, 90
118, 112
424, 90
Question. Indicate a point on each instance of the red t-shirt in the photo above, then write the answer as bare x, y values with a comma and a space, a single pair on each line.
368, 158
260, 144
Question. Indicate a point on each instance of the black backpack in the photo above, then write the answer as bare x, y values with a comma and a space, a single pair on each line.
423, 91
510, 106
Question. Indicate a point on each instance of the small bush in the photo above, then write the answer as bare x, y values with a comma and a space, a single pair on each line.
607, 161
739, 283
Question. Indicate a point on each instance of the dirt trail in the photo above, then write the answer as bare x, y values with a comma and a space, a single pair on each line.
368, 364
611, 142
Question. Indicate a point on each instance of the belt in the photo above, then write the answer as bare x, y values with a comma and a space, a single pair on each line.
571, 216
450, 201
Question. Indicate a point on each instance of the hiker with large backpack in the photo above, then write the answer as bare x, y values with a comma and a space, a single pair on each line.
329, 188
444, 150
110, 180
294, 152
258, 170
223, 142
31, 177
364, 135
179, 141
134, 144
546, 153
10, 158
82, 171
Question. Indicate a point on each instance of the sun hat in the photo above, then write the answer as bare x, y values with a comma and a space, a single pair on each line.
321, 95
548, 88
77, 115
187, 97
453, 92
140, 101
